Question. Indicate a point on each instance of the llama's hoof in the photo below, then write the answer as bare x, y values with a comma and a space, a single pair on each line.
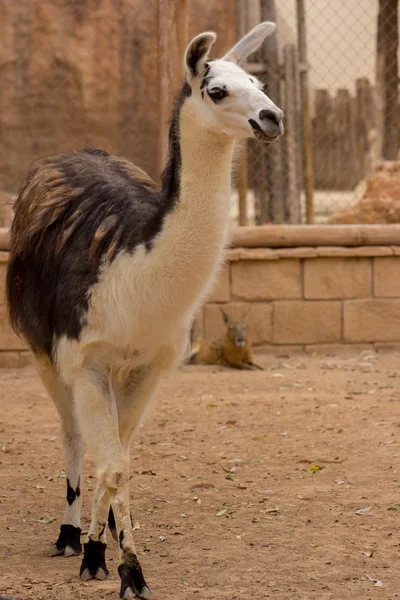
94, 563
144, 593
101, 574
68, 543
86, 575
132, 580
67, 551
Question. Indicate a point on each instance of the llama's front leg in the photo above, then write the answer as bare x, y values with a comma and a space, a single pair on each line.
68, 542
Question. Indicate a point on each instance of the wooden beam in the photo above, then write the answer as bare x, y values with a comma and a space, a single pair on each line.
283, 236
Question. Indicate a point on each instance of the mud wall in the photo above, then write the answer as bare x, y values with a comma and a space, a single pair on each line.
84, 72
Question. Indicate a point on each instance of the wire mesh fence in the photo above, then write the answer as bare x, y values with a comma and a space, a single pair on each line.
351, 71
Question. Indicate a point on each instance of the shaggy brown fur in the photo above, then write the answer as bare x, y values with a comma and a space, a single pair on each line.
233, 350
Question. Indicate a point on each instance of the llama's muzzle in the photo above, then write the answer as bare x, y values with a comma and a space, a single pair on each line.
271, 125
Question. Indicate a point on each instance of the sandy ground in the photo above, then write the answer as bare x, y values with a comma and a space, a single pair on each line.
280, 484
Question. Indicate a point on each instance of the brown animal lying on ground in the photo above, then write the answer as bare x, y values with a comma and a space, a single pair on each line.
233, 350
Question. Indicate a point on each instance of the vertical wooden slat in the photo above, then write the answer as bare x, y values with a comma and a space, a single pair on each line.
387, 79
243, 182
273, 153
243, 179
293, 199
307, 130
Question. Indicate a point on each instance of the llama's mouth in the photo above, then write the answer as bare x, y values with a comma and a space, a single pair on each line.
260, 134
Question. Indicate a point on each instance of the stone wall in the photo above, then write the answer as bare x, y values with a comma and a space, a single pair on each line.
308, 296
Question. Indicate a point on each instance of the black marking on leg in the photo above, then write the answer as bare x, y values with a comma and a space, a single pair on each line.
121, 538
111, 519
131, 576
72, 494
112, 525
69, 536
103, 526
94, 557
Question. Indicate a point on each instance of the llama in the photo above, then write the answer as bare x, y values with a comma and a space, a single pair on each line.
106, 272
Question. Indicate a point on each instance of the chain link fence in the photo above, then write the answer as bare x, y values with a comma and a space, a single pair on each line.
350, 75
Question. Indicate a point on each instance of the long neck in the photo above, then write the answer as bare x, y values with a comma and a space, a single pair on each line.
190, 247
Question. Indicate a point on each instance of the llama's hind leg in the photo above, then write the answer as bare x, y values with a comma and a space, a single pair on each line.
98, 421
68, 542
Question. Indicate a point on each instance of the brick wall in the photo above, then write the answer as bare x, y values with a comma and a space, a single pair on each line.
297, 297
307, 296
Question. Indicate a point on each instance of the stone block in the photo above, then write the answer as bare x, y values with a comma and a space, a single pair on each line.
300, 322
8, 339
387, 277
198, 325
9, 360
330, 278
257, 318
2, 283
371, 320
266, 280
221, 290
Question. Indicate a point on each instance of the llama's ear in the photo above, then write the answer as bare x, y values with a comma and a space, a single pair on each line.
197, 53
250, 42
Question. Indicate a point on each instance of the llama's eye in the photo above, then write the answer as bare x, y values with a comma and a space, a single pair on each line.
217, 93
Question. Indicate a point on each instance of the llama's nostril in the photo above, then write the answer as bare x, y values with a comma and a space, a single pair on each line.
270, 115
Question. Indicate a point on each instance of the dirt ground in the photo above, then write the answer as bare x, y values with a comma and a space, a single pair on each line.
281, 484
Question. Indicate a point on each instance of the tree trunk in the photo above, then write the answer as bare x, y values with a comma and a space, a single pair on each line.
387, 78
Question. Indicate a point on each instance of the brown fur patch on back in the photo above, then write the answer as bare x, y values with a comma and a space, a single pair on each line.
47, 193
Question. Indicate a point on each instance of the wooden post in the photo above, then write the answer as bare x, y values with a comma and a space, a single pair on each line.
307, 130
293, 193
243, 178
387, 78
172, 38
273, 153
243, 184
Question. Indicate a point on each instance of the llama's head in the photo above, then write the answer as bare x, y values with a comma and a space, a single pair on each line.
224, 96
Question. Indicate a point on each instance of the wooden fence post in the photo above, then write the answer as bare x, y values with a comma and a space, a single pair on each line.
307, 129
273, 153
293, 191
387, 78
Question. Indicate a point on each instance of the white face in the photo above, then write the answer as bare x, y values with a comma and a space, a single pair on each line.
226, 98
233, 102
